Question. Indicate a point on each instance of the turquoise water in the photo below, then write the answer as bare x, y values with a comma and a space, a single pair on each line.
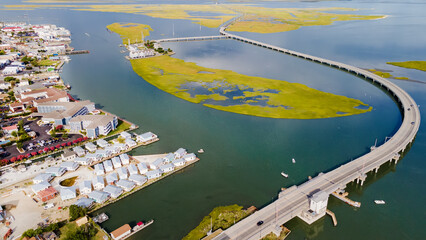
245, 155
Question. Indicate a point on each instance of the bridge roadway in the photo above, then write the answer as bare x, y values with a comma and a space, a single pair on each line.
294, 200
186, 39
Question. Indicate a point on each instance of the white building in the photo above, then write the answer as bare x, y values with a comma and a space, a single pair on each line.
56, 171
167, 168
146, 137
99, 196
169, 157
156, 164
318, 202
190, 157
102, 143
153, 174
125, 135
68, 155
122, 172
93, 156
68, 193
180, 153
111, 178
83, 161
138, 179
130, 143
70, 166
132, 169
116, 162
79, 151
114, 191
85, 187
43, 177
143, 168
108, 166
40, 187
98, 182
124, 159
126, 185
179, 162
90, 147
99, 169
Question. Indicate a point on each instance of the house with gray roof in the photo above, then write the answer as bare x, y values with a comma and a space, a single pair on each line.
132, 169
68, 155
108, 166
111, 178
56, 171
62, 112
126, 185
99, 169
85, 203
99, 196
189, 157
40, 187
178, 162
180, 153
146, 137
98, 182
124, 159
143, 168
94, 125
122, 172
83, 161
79, 151
90, 147
70, 166
156, 164
102, 143
116, 162
114, 191
153, 174
43, 177
138, 179
85, 187
68, 193
169, 157
167, 168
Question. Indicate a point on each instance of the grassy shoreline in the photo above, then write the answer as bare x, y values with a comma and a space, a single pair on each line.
418, 65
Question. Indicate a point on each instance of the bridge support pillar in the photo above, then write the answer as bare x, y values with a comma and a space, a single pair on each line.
376, 170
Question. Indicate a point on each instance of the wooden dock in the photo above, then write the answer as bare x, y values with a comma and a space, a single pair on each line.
333, 216
344, 198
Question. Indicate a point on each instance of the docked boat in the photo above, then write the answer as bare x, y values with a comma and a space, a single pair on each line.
284, 174
379, 202
293, 160
100, 218
201, 150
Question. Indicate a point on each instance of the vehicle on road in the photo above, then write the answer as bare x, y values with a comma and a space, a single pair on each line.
259, 223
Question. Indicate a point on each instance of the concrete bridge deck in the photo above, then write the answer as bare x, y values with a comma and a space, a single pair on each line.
294, 200
187, 39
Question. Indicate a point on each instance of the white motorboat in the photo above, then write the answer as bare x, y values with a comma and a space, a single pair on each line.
201, 151
379, 202
293, 160
284, 174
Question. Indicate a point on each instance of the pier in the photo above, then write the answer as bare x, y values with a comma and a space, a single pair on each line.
309, 200
345, 199
77, 52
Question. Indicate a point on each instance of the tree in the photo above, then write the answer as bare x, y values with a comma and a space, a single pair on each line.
76, 212
2, 52
14, 134
19, 144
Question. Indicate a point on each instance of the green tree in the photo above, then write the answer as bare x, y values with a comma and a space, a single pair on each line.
19, 144
14, 134
76, 212
2, 52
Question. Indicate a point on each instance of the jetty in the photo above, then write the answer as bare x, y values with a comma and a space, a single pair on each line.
187, 39
77, 52
309, 200
344, 198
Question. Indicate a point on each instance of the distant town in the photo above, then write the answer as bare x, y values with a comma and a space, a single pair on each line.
61, 157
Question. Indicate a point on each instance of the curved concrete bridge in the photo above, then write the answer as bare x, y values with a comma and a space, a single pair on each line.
297, 200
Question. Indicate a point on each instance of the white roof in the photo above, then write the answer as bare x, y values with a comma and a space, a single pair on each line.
167, 166
125, 183
113, 190
55, 170
85, 185
43, 177
132, 169
138, 178
98, 179
98, 196
112, 177
180, 151
84, 202
68, 193
40, 187
69, 165
153, 172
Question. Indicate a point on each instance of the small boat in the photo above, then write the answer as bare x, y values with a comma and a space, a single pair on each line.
379, 202
87, 34
201, 150
284, 174
293, 160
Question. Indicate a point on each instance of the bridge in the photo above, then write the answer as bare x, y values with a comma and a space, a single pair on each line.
187, 39
302, 201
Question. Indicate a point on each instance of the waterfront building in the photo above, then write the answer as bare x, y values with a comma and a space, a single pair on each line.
70, 166
102, 152
146, 137
112, 149
124, 159
167, 168
121, 232
90, 147
99, 169
98, 182
190, 157
60, 113
56, 171
102, 143
116, 162
43, 177
122, 172
156, 164
99, 196
68, 155
85, 203
180, 153
94, 125
125, 135
130, 143
85, 187
43, 95
169, 157
108, 166
132, 169
40, 187
79, 151
138, 179
120, 147
47, 194
114, 191
83, 161
143, 168
178, 162
153, 174
126, 185
111, 178
68, 193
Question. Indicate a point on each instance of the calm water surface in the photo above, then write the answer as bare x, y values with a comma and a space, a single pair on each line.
244, 154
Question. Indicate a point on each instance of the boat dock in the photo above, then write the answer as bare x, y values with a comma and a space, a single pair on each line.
125, 231
344, 198
333, 216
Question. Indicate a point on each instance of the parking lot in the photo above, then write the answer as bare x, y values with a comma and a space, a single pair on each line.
41, 141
